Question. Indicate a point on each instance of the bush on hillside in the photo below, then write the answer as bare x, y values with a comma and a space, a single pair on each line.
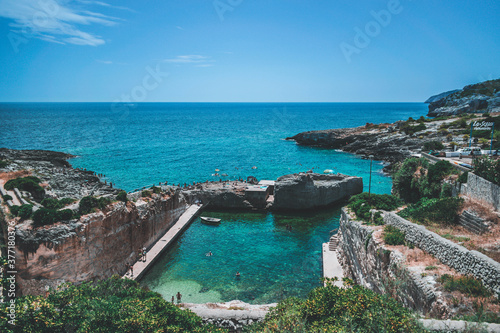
14, 210
465, 284
29, 184
51, 203
361, 204
6, 197
416, 178
393, 236
113, 305
122, 196
443, 211
44, 216
146, 194
433, 145
89, 203
488, 169
334, 309
3, 164
25, 211
463, 177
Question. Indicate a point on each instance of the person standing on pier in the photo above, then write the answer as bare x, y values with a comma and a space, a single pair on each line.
144, 254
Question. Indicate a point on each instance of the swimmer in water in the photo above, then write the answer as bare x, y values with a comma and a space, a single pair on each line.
209, 254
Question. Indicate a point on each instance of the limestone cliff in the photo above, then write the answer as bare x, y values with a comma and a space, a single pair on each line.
96, 246
310, 190
480, 97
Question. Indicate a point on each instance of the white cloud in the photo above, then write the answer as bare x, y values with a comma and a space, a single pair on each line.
56, 20
106, 62
199, 60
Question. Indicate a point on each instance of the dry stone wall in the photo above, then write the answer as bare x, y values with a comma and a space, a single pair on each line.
482, 190
449, 253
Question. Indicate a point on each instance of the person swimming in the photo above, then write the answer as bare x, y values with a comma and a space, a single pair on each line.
238, 274
209, 254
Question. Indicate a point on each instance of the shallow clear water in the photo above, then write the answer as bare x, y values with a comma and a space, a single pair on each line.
274, 262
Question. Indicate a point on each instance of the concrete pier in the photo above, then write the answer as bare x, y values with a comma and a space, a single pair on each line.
140, 267
331, 264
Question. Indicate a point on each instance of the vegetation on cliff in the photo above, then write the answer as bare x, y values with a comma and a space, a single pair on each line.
361, 204
488, 169
29, 184
334, 309
113, 305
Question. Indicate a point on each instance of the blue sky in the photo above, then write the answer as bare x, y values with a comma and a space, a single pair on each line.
244, 50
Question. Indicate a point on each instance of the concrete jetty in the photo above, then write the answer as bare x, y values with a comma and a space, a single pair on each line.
331, 264
140, 267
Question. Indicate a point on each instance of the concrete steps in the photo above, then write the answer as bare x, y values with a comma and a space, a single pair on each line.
472, 223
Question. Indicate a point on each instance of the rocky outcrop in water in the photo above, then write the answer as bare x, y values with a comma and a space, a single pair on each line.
311, 190
480, 97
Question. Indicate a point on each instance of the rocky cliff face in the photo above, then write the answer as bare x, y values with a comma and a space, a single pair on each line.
96, 246
480, 97
310, 190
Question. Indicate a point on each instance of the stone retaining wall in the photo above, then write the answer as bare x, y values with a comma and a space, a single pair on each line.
449, 253
373, 266
482, 190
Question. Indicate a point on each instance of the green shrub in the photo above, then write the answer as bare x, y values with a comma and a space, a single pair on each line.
433, 145
64, 215
488, 169
393, 236
3, 164
14, 210
443, 211
463, 177
430, 268
122, 196
44, 216
156, 190
51, 203
113, 305
89, 203
465, 284
146, 194
6, 197
25, 211
361, 204
29, 184
415, 178
333, 309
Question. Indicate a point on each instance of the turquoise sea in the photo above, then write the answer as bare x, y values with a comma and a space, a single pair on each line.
137, 145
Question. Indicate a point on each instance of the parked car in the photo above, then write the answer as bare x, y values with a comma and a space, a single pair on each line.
469, 151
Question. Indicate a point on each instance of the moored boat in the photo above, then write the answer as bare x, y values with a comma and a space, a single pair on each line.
209, 220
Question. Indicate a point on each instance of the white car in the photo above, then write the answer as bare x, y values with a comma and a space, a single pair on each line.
468, 150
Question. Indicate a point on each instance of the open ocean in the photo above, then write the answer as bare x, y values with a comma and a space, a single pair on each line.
141, 145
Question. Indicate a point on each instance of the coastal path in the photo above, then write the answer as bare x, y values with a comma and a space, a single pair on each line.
331, 264
140, 267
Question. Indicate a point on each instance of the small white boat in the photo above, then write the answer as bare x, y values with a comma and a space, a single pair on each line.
209, 220
328, 171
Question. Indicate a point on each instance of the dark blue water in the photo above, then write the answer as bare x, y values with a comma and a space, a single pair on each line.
142, 144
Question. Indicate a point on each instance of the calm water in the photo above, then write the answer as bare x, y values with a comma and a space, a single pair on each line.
274, 263
143, 144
